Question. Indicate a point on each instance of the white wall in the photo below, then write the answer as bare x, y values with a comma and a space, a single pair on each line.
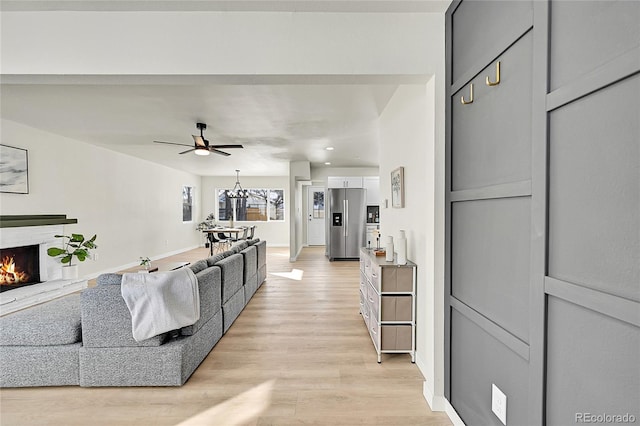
227, 43
275, 233
299, 173
134, 206
408, 139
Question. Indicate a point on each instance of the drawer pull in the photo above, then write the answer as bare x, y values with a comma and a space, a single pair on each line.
470, 101
495, 83
373, 330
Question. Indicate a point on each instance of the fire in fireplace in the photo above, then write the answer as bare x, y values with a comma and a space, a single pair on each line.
19, 267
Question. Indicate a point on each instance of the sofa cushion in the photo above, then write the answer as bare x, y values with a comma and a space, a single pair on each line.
109, 279
52, 323
106, 320
198, 266
238, 247
209, 287
212, 260
231, 268
254, 241
250, 255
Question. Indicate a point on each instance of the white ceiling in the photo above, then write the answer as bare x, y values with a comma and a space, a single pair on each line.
275, 123
277, 119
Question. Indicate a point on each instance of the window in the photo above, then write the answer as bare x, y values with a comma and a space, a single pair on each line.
262, 205
187, 203
318, 204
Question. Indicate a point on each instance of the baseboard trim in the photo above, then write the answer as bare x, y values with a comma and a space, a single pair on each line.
453, 415
440, 403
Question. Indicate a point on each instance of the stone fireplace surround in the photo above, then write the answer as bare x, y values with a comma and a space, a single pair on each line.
52, 285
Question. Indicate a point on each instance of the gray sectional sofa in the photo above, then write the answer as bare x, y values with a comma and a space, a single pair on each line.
86, 339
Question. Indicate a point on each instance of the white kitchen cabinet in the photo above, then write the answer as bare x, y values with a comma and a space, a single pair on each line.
344, 182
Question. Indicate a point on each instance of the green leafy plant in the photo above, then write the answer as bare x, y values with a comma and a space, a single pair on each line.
74, 245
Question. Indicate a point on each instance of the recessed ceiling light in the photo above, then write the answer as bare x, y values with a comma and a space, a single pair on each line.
329, 148
327, 163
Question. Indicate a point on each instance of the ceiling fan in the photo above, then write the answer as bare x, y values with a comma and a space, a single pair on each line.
201, 145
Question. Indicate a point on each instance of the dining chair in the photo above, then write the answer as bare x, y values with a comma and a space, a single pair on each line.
252, 231
223, 240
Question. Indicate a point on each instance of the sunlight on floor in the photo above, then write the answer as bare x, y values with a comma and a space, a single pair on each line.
237, 410
295, 274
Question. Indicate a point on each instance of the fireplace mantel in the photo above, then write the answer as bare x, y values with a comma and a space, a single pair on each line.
16, 221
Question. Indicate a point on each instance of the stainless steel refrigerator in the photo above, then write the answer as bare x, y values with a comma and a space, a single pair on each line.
346, 227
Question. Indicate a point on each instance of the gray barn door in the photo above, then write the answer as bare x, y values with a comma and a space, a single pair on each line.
543, 209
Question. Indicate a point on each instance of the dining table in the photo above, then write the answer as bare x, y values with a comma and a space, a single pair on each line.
226, 231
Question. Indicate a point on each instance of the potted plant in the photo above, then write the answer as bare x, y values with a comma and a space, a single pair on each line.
74, 245
145, 262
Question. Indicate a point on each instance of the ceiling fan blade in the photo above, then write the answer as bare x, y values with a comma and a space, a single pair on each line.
226, 146
189, 150
199, 140
217, 151
172, 143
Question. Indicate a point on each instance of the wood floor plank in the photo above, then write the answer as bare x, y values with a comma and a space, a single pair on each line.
299, 354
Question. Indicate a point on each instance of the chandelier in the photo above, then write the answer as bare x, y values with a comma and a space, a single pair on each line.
237, 191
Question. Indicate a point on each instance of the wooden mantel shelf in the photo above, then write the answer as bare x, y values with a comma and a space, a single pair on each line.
15, 221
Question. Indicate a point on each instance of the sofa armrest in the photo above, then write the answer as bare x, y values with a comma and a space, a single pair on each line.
106, 321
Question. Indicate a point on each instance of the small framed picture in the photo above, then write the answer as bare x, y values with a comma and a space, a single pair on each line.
14, 170
397, 188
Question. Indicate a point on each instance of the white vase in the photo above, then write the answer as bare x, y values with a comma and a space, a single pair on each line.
401, 248
70, 272
389, 249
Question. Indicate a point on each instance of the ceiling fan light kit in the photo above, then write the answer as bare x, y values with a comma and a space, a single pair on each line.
201, 151
201, 145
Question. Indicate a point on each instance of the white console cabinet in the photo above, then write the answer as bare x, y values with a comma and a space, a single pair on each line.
388, 303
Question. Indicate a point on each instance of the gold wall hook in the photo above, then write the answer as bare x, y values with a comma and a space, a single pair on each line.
495, 83
470, 96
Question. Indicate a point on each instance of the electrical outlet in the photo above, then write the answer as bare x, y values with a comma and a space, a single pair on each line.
499, 403
94, 256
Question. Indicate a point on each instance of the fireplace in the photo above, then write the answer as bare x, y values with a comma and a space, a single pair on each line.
23, 251
19, 267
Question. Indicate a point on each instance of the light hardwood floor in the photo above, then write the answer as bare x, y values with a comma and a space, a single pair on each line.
298, 354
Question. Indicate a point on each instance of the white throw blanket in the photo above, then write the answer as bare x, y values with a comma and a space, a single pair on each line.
161, 302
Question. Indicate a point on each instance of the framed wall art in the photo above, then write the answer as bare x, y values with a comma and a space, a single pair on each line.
14, 170
397, 188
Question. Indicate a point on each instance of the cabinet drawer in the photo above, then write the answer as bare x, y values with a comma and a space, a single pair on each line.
365, 311
396, 279
397, 308
363, 284
373, 299
395, 338
374, 330
374, 276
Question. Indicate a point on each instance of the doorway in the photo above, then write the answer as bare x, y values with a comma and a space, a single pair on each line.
316, 216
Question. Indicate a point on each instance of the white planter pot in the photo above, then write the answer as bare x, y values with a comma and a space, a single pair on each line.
70, 272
